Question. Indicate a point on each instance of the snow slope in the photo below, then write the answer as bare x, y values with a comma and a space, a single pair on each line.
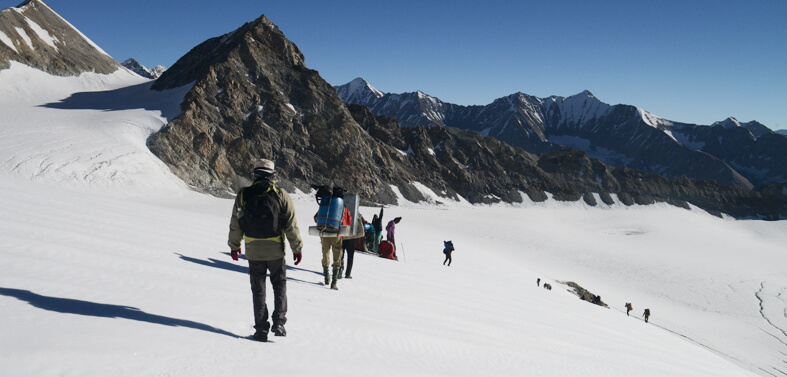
88, 131
127, 274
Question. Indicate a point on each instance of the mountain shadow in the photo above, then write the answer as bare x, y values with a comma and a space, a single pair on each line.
127, 98
93, 309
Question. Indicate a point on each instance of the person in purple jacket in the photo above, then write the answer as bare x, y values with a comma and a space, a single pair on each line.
391, 229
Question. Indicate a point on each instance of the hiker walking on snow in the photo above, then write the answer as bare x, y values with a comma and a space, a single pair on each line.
349, 250
377, 223
335, 244
262, 216
447, 250
391, 229
646, 314
628, 308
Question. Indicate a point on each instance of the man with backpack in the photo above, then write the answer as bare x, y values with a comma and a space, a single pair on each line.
447, 250
334, 244
262, 216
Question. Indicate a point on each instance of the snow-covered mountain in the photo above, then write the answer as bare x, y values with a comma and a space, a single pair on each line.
34, 35
743, 155
149, 73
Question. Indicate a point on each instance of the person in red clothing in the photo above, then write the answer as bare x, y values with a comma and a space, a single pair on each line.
335, 244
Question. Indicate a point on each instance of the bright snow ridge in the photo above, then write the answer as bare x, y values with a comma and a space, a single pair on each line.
358, 84
43, 34
7, 41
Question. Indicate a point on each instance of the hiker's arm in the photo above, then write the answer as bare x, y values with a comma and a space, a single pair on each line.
235, 235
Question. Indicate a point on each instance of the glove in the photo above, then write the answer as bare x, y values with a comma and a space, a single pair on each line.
297, 257
234, 254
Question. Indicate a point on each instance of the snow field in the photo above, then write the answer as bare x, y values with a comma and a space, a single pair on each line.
110, 266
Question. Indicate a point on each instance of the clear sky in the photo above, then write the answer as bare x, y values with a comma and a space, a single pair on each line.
689, 61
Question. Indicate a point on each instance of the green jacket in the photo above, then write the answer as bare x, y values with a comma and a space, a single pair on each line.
268, 248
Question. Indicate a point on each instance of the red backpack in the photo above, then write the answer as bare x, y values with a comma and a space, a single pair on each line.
387, 250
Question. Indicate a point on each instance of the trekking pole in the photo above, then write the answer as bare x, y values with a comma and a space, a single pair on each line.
404, 259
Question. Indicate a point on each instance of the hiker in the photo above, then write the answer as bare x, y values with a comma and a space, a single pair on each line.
628, 308
335, 244
262, 216
538, 282
377, 223
646, 314
391, 229
349, 249
447, 250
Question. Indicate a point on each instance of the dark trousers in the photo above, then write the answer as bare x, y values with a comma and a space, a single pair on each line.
349, 250
447, 258
258, 271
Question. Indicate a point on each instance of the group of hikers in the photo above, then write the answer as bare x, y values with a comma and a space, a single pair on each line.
368, 240
263, 215
597, 301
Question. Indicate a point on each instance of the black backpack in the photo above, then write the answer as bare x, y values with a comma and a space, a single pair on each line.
260, 215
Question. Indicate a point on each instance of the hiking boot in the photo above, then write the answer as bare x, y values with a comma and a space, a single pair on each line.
341, 270
279, 330
336, 288
325, 274
260, 336
336, 276
348, 277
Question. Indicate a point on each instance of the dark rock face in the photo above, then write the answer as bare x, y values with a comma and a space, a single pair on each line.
253, 97
485, 170
34, 35
618, 135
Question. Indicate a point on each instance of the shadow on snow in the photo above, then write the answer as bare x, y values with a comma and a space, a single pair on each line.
215, 263
93, 309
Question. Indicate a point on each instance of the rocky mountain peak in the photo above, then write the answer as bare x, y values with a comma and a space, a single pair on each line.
250, 38
757, 129
359, 90
35, 35
134, 66
253, 97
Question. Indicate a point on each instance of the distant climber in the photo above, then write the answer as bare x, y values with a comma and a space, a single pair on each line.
628, 308
538, 282
447, 250
391, 229
263, 215
646, 314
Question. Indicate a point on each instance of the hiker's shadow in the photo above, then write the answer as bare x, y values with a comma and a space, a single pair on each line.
87, 308
215, 263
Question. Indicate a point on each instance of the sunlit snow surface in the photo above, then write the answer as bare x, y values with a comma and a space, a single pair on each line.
109, 266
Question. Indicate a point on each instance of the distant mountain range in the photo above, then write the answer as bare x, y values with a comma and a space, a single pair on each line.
149, 73
251, 95
742, 155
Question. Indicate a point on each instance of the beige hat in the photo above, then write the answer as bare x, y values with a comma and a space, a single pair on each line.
264, 166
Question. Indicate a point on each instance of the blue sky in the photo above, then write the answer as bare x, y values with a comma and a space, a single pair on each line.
688, 61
